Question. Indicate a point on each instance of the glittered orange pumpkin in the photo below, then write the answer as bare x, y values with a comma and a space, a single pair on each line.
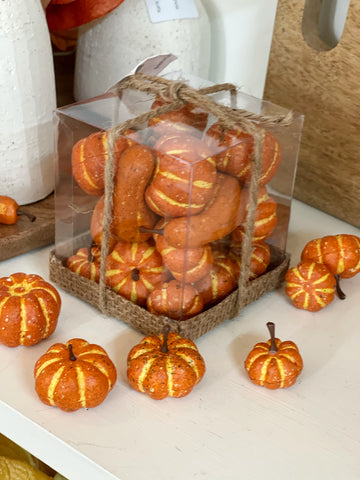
175, 300
189, 120
74, 375
29, 309
165, 365
259, 261
10, 212
237, 158
310, 286
89, 156
340, 253
134, 269
274, 364
85, 263
188, 265
184, 177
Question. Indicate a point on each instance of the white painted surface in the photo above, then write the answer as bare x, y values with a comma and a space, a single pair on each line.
227, 428
27, 101
110, 47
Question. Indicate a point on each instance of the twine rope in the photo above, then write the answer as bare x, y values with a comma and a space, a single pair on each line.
177, 94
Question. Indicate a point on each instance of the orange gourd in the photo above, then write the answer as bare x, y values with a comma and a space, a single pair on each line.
29, 309
165, 365
74, 375
134, 269
310, 286
175, 300
85, 263
10, 212
274, 364
259, 261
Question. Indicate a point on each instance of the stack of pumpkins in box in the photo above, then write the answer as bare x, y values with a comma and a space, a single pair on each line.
179, 208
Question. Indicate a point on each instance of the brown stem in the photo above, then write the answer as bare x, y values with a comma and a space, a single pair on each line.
135, 274
159, 231
30, 216
164, 347
339, 292
71, 353
271, 328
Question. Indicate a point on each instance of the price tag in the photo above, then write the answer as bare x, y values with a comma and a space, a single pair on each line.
165, 10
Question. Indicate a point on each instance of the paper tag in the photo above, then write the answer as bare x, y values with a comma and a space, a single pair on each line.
165, 10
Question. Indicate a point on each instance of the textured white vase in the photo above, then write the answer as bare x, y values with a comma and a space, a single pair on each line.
109, 48
27, 101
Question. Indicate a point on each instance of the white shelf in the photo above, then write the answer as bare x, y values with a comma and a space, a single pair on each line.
227, 427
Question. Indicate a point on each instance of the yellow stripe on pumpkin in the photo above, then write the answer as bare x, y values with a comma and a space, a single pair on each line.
23, 326
53, 384
84, 170
46, 364
169, 371
144, 373
81, 384
173, 202
46, 316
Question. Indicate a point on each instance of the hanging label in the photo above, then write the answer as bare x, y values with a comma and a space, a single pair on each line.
165, 10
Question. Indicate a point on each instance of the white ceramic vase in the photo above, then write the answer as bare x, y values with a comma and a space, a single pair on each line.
27, 101
109, 48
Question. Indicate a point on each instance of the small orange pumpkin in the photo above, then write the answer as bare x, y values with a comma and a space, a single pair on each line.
259, 261
274, 364
74, 375
184, 178
85, 263
175, 300
29, 309
10, 212
165, 365
134, 269
340, 253
310, 286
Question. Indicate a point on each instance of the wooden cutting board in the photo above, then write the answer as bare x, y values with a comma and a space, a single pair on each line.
323, 84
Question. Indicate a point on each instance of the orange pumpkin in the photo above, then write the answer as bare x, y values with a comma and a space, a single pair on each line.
175, 300
340, 253
134, 269
310, 286
74, 375
165, 365
184, 178
236, 159
274, 364
220, 281
260, 258
9, 211
29, 309
188, 265
89, 156
96, 225
85, 263
189, 120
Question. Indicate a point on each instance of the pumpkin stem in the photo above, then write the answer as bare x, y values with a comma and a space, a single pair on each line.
164, 347
159, 231
71, 353
30, 216
339, 292
271, 328
135, 274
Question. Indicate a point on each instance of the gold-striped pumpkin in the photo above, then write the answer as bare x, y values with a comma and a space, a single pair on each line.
134, 269
184, 178
29, 309
85, 264
310, 286
74, 375
165, 365
274, 364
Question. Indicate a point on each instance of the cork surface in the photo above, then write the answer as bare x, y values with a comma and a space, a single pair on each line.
25, 235
323, 84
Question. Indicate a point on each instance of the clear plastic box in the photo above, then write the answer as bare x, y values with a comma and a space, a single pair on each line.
180, 191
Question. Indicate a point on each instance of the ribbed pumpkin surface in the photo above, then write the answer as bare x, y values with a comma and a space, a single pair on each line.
70, 384
29, 309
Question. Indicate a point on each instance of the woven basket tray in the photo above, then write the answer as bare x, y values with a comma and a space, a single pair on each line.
147, 323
